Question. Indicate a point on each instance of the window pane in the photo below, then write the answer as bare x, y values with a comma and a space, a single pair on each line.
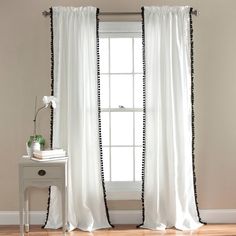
121, 91
138, 91
122, 164
104, 91
121, 55
138, 163
103, 52
121, 128
138, 128
105, 127
138, 55
106, 163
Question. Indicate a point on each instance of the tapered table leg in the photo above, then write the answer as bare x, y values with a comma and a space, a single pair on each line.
21, 208
26, 194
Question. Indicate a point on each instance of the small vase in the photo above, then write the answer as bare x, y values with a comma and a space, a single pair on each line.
29, 150
35, 143
35, 146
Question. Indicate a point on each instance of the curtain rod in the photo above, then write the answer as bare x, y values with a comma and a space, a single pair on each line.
47, 13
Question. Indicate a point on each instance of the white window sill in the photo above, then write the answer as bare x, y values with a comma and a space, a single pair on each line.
124, 190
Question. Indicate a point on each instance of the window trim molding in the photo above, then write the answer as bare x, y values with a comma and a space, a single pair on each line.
120, 27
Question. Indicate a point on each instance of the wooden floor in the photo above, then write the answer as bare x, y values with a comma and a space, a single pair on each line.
126, 230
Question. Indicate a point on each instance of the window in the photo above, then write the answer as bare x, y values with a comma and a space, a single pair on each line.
121, 80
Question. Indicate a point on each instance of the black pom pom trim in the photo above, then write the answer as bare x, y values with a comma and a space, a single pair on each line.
52, 93
144, 119
99, 118
49, 196
193, 117
52, 75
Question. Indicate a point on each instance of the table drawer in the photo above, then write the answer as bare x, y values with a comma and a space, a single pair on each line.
43, 172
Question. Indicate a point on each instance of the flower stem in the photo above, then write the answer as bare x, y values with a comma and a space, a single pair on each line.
35, 118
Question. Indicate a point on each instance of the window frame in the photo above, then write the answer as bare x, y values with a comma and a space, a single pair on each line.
122, 190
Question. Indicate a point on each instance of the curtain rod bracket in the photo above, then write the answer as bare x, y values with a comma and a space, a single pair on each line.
46, 13
195, 12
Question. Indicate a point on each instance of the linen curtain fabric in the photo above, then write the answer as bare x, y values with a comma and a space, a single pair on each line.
76, 124
169, 198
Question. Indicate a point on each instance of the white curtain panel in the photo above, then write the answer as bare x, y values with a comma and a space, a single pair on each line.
168, 185
76, 127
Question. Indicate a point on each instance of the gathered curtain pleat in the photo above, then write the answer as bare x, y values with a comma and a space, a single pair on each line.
76, 123
169, 194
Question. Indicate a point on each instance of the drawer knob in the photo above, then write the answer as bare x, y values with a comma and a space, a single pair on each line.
41, 172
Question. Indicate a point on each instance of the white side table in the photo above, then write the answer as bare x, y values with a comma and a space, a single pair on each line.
41, 174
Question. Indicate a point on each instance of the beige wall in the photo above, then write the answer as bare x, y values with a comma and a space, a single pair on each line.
25, 72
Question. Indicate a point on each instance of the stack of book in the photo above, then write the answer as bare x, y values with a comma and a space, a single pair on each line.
47, 155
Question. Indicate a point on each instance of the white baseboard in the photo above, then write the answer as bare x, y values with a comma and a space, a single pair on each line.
126, 217
218, 216
122, 216
211, 216
12, 217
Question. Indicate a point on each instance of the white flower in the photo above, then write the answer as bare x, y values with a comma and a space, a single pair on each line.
49, 99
